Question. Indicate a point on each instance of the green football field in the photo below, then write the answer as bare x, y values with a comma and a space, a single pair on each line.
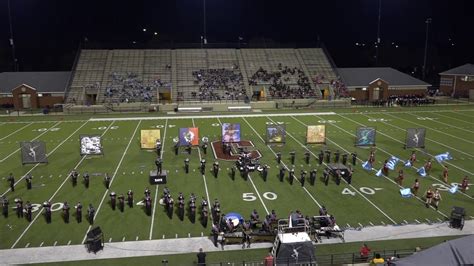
369, 200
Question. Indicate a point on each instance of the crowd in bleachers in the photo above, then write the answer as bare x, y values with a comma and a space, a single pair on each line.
218, 84
129, 87
286, 82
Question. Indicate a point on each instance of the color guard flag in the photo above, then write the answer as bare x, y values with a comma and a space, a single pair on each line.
443, 157
421, 171
392, 163
379, 173
453, 189
408, 163
367, 166
405, 192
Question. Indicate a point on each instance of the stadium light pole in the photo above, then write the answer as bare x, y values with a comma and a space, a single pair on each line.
377, 44
204, 21
12, 42
428, 22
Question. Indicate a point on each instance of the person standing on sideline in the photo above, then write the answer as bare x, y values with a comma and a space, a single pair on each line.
445, 174
364, 253
201, 258
268, 260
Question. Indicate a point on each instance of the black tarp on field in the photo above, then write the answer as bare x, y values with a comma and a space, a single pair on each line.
294, 253
455, 252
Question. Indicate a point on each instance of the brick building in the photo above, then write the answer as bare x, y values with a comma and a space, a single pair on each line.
457, 82
31, 90
378, 83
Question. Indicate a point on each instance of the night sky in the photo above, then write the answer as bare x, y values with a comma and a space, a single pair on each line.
47, 33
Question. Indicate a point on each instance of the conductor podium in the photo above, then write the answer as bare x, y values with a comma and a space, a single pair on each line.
157, 178
95, 240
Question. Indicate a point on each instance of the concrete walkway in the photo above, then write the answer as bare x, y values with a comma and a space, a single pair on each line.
187, 245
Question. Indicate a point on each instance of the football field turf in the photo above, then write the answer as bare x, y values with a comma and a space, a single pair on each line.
369, 200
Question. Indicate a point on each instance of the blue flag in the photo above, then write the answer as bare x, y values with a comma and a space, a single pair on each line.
379, 173
454, 188
405, 192
367, 166
443, 157
421, 171
392, 163
408, 163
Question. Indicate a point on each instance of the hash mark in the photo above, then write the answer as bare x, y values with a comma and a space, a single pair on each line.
361, 225
371, 223
383, 223
439, 219
427, 220
69, 242
405, 221
202, 234
136, 238
189, 235
41, 244
176, 236
110, 240
55, 243
348, 225
123, 239
163, 236
27, 245
418, 222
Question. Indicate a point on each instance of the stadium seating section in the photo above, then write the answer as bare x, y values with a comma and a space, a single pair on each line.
200, 74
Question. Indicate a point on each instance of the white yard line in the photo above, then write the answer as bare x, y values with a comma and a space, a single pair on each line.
14, 132
253, 184
439, 131
437, 142
156, 190
454, 118
2, 160
377, 147
358, 192
204, 177
207, 116
113, 177
54, 194
47, 155
287, 168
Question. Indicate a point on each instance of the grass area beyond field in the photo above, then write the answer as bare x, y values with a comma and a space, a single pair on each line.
257, 255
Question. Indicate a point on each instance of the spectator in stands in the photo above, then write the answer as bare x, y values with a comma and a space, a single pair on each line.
285, 83
364, 252
218, 84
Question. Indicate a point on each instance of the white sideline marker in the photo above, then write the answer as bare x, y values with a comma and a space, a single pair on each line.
55, 243
348, 225
361, 225
136, 238
41, 244
27, 245
382, 222
471, 217
405, 221
439, 219
110, 240
202, 234
123, 239
371, 223
189, 235
418, 222
69, 242
427, 220
163, 236
176, 236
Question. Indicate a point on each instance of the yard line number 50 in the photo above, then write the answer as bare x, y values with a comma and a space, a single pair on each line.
251, 197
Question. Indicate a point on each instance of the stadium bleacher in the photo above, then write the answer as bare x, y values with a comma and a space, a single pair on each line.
109, 74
